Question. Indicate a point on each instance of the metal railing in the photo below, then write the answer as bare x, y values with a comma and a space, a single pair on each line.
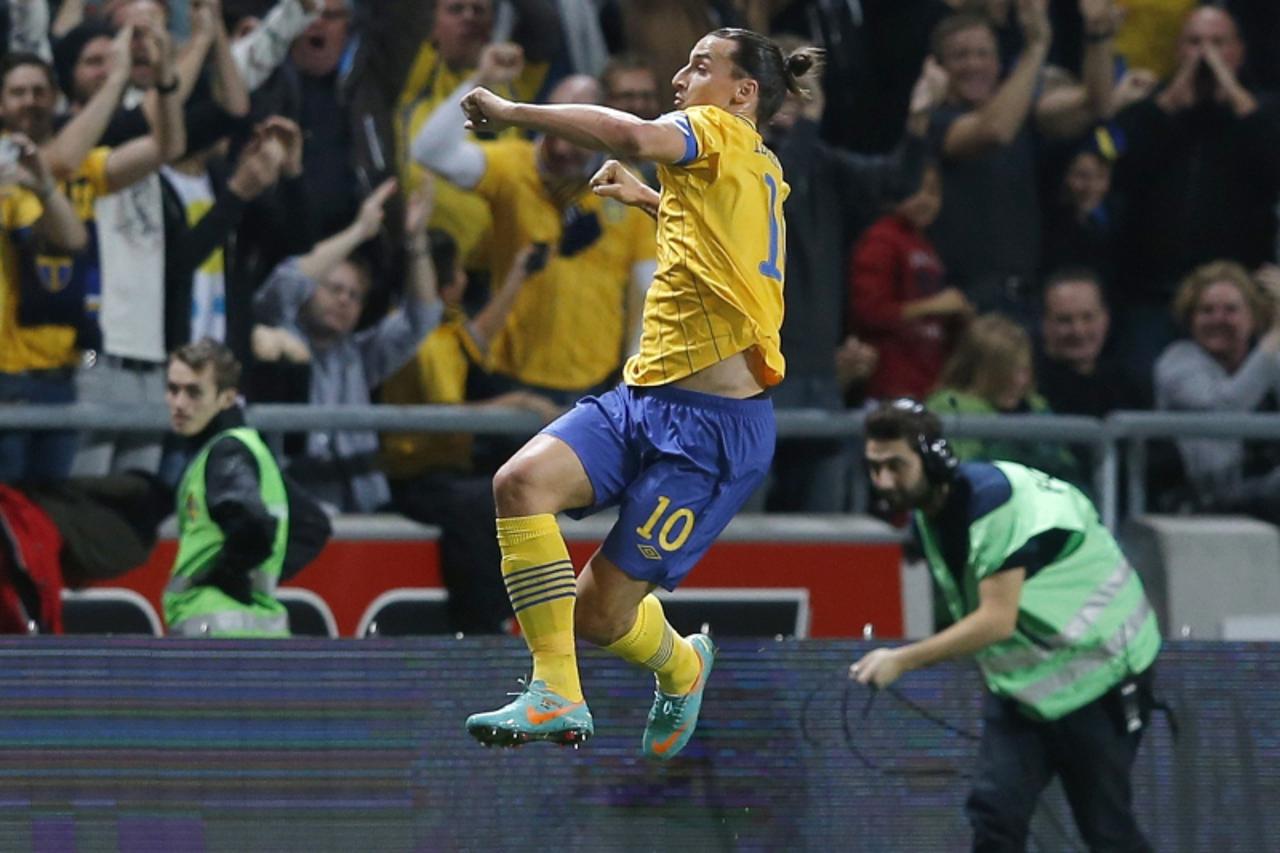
1103, 437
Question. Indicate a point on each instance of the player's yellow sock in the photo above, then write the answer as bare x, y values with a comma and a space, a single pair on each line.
542, 589
653, 644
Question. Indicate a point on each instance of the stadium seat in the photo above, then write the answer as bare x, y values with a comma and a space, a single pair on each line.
309, 615
739, 612
108, 611
406, 612
1202, 572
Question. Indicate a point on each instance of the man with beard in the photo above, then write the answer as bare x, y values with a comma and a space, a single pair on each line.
568, 332
1058, 621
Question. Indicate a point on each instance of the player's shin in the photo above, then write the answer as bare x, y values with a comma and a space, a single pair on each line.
540, 583
653, 644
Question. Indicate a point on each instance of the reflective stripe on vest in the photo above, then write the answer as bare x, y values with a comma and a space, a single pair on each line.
1088, 662
260, 580
231, 621
1077, 629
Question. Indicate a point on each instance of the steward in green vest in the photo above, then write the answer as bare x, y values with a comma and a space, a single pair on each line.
232, 507
1047, 604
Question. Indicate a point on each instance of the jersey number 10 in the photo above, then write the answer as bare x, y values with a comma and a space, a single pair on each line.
777, 232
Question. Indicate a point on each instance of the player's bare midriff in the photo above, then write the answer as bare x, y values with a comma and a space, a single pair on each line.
731, 377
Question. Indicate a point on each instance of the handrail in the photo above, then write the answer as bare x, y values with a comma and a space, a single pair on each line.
1103, 436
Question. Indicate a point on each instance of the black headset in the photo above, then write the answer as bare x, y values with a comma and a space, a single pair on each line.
939, 462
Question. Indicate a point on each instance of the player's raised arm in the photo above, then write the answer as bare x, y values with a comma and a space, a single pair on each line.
598, 128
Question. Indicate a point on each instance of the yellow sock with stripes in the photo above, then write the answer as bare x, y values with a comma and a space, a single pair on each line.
653, 644
542, 589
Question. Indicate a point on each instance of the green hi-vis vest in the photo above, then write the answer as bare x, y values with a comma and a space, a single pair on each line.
1084, 622
192, 608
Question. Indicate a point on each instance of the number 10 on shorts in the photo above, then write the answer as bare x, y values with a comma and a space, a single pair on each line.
675, 527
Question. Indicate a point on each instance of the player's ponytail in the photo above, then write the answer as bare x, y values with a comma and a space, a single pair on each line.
776, 74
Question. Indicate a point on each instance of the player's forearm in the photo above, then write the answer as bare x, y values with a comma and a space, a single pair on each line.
971, 634
597, 128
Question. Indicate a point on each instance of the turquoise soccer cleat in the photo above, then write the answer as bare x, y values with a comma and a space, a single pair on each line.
537, 713
672, 719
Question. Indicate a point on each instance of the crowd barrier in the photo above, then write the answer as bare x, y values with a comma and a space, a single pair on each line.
1105, 438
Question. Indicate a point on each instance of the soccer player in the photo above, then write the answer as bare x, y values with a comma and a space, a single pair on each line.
1058, 621
688, 435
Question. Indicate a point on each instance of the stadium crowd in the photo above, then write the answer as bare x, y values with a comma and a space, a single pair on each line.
1015, 206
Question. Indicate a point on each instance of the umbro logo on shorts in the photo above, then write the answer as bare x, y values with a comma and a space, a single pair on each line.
649, 552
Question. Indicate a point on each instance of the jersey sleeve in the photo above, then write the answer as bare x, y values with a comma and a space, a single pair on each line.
500, 162
94, 170
703, 130
19, 209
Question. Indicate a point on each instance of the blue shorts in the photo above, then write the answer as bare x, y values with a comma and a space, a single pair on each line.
679, 464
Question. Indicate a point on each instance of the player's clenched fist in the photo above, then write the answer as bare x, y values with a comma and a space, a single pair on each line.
615, 181
485, 110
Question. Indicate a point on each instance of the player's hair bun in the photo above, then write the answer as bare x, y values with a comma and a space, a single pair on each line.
799, 63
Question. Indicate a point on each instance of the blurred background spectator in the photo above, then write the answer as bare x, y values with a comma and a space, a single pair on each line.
578, 316
317, 298
1229, 364
991, 372
899, 300
1074, 375
1080, 227
989, 231
1200, 178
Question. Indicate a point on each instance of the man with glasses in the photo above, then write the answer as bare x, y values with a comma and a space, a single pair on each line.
318, 299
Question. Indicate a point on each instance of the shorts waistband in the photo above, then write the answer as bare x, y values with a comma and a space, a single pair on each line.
759, 406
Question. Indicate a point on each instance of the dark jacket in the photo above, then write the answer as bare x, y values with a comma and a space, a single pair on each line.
234, 496
834, 195
229, 225
1199, 185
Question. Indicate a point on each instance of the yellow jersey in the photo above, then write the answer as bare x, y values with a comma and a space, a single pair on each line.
567, 329
436, 375
461, 213
35, 345
721, 255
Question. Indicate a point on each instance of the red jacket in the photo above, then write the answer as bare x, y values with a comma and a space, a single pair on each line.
30, 567
893, 264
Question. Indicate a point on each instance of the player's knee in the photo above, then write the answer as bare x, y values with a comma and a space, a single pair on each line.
516, 488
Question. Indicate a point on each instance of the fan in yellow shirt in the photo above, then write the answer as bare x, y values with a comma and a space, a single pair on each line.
568, 331
458, 55
682, 444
